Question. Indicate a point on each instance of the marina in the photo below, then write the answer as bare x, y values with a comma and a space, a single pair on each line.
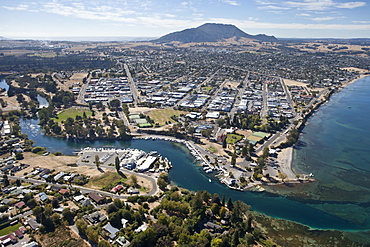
131, 159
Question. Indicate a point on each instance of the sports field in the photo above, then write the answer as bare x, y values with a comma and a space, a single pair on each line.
72, 112
162, 116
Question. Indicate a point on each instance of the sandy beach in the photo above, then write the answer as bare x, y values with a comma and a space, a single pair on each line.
285, 159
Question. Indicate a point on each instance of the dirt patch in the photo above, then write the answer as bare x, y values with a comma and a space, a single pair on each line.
62, 236
356, 69
76, 79
208, 145
62, 163
59, 163
137, 110
12, 103
294, 83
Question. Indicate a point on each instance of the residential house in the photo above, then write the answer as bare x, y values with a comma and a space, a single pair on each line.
111, 230
97, 198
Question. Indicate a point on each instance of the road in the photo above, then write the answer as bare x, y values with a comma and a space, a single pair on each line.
132, 85
288, 97
199, 86
264, 110
215, 94
239, 96
89, 190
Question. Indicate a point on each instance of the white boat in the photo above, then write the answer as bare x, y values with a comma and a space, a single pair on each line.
209, 180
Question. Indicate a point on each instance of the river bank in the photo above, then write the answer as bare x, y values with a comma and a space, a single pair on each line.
187, 174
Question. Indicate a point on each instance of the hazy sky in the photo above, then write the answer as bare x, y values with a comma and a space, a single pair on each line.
145, 18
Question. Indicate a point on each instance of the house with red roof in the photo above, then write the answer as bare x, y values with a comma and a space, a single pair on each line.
116, 188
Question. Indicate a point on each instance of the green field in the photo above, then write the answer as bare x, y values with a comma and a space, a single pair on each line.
162, 116
9, 229
233, 138
72, 112
109, 179
213, 150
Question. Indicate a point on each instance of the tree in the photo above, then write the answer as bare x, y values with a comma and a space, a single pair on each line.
244, 151
68, 215
162, 183
55, 202
104, 243
238, 211
6, 181
92, 235
206, 132
233, 159
133, 180
97, 161
115, 104
230, 204
224, 143
217, 242
117, 162
282, 176
118, 203
215, 208
250, 149
32, 203
37, 211
81, 226
222, 212
19, 156
266, 152
111, 208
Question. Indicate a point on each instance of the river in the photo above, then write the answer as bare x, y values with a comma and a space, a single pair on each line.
4, 85
320, 213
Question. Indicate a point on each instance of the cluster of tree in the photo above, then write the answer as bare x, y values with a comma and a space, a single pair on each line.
64, 98
83, 127
247, 149
254, 122
292, 138
181, 219
261, 162
42, 81
163, 181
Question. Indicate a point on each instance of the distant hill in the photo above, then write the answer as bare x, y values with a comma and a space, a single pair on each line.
211, 32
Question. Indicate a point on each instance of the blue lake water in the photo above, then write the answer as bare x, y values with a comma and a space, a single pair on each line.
4, 85
340, 198
42, 101
337, 151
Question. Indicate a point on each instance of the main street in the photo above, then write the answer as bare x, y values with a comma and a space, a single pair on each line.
132, 84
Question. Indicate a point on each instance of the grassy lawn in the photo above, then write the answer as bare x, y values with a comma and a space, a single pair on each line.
106, 179
72, 112
161, 116
208, 88
233, 138
9, 229
213, 150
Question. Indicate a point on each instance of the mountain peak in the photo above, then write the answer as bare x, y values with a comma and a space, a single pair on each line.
211, 32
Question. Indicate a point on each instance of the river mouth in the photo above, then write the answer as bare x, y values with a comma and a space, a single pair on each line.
187, 174
339, 199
